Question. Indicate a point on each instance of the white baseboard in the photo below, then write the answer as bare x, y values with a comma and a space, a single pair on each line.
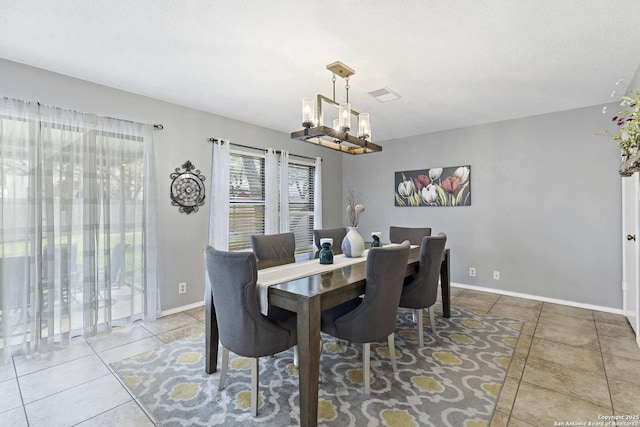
539, 298
181, 309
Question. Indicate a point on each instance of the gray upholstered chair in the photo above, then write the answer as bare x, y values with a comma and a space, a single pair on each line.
412, 234
242, 328
337, 234
274, 249
372, 318
421, 290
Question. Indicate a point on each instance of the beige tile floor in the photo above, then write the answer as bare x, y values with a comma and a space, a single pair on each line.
570, 364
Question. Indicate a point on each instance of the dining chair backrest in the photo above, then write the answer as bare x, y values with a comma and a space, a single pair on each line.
412, 234
375, 318
422, 290
242, 328
274, 249
337, 234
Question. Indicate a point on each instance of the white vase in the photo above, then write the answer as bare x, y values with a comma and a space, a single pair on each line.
352, 244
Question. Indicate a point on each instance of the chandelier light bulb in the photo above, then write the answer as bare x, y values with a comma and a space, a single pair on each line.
364, 126
344, 114
307, 112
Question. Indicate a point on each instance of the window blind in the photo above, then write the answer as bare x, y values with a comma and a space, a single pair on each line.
246, 198
301, 206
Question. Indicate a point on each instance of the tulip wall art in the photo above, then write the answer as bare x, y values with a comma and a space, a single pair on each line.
450, 186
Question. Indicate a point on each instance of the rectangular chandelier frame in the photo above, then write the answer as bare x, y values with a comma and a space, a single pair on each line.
326, 136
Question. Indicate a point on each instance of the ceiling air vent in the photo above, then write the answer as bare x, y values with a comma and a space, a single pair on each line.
384, 95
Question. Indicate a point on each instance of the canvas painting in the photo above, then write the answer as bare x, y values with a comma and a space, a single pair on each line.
450, 186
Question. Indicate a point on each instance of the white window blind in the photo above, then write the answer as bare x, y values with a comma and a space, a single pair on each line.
246, 198
247, 201
301, 206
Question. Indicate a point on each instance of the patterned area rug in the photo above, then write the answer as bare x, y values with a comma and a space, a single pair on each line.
455, 380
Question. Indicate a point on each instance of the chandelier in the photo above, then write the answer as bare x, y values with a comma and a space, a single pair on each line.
336, 137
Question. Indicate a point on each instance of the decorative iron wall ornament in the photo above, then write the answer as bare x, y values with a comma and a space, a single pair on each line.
187, 188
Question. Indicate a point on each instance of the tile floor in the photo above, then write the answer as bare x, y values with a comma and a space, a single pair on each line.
570, 364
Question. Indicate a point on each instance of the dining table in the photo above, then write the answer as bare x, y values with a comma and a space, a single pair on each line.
308, 297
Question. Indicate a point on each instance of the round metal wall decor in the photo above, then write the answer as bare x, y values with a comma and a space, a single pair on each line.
187, 188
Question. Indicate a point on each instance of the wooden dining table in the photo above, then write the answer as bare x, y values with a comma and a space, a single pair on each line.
308, 297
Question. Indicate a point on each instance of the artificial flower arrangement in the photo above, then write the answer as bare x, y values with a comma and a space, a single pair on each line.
354, 208
628, 132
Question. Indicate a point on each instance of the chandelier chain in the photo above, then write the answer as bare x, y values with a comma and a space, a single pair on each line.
346, 86
333, 80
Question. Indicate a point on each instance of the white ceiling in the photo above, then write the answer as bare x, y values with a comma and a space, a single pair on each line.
455, 63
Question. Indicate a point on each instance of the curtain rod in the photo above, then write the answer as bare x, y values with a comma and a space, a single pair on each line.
157, 126
215, 140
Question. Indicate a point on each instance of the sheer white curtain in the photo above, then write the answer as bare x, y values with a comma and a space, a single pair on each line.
73, 224
19, 132
317, 194
271, 195
284, 191
151, 294
219, 209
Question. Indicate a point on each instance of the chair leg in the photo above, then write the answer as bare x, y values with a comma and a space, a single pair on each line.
366, 367
417, 313
432, 318
223, 368
392, 351
254, 385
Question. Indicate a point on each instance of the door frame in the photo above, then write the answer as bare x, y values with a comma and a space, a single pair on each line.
630, 227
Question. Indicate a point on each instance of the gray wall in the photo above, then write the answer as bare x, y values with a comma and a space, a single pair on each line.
546, 203
546, 194
186, 131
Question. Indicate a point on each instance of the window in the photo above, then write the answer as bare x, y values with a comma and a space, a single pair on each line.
301, 208
247, 202
246, 198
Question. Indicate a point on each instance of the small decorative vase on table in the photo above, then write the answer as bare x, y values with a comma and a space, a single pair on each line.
326, 254
353, 244
375, 239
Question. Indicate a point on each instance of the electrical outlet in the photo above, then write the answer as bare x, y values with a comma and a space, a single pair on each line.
182, 288
496, 274
472, 271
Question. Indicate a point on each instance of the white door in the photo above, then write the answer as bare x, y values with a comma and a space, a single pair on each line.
630, 254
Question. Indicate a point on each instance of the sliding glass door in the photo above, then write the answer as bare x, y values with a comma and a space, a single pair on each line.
72, 224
